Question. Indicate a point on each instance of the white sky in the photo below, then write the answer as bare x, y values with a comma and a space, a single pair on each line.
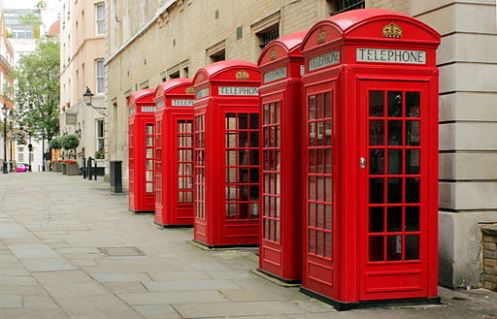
49, 16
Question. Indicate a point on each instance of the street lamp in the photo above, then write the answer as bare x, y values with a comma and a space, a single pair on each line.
4, 166
88, 96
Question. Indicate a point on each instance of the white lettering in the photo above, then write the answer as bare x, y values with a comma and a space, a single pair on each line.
330, 58
182, 102
390, 56
274, 75
202, 93
238, 90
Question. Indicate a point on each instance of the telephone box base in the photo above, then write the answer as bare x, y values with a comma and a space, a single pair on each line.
343, 306
278, 280
207, 246
139, 212
173, 225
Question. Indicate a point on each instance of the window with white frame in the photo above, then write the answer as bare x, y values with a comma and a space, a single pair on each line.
99, 154
100, 75
100, 18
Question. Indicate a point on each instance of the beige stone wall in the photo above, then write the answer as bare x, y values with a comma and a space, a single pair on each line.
81, 46
180, 39
468, 126
395, 5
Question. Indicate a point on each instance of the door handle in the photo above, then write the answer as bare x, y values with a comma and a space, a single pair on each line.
362, 162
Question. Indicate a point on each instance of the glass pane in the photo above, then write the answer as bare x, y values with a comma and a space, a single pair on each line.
412, 218
254, 157
254, 121
394, 104
312, 215
412, 247
312, 134
327, 132
231, 210
412, 190
150, 129
149, 188
312, 241
319, 106
231, 175
150, 165
148, 176
376, 190
230, 158
394, 221
150, 141
394, 247
254, 139
243, 121
328, 160
376, 103
327, 240
412, 104
242, 139
327, 105
412, 131
327, 212
320, 243
376, 248
376, 133
375, 219
377, 159
254, 175
243, 174
149, 153
277, 112
328, 186
394, 161
394, 190
231, 140
412, 161
231, 121
243, 157
394, 132
312, 187
312, 107
320, 216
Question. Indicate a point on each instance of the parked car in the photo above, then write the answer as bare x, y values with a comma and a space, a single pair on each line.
22, 168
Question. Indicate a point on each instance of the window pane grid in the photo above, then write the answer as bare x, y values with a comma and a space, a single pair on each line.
185, 161
158, 163
131, 156
199, 166
242, 165
394, 168
271, 172
319, 197
149, 158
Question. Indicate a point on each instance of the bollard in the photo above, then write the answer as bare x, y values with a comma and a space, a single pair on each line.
116, 183
84, 167
96, 171
88, 167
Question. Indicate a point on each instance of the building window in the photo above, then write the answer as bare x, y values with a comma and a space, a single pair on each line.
99, 154
218, 56
174, 75
20, 154
346, 5
100, 18
100, 75
268, 35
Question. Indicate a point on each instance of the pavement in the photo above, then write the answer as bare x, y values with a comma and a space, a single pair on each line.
70, 249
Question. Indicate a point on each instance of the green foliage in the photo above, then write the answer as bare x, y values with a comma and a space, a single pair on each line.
37, 91
69, 141
34, 21
41, 5
55, 143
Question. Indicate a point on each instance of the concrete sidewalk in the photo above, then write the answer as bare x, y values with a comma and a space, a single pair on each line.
70, 249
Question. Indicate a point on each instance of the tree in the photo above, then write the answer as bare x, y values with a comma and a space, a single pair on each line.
37, 91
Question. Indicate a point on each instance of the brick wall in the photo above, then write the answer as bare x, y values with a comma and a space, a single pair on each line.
489, 247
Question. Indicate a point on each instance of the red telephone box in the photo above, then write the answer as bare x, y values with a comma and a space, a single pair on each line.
174, 153
141, 151
371, 159
281, 65
226, 111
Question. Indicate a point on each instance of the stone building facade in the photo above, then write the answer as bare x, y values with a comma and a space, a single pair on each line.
82, 43
151, 41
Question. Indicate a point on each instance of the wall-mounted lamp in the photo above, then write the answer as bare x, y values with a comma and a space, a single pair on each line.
88, 96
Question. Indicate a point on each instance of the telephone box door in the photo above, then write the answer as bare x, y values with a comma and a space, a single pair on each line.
394, 180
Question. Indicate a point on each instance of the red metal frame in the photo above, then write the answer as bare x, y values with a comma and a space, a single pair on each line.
226, 111
371, 230
174, 153
281, 116
141, 151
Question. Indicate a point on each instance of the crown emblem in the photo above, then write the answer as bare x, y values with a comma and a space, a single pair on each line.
189, 90
242, 75
392, 30
272, 55
321, 36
